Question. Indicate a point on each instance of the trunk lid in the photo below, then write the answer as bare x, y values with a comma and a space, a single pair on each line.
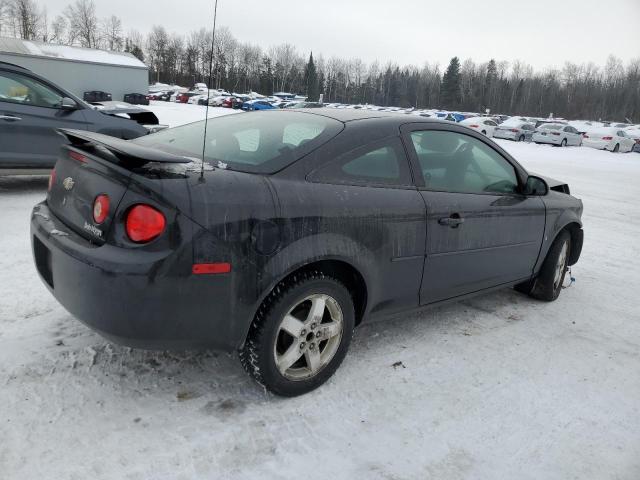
94, 165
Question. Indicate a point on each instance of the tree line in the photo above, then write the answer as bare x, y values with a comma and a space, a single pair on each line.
585, 91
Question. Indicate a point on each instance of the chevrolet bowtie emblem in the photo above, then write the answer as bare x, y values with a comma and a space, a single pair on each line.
68, 183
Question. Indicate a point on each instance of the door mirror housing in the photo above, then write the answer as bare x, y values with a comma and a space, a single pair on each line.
68, 104
536, 186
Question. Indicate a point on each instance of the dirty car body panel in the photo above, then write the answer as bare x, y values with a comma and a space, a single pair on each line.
343, 188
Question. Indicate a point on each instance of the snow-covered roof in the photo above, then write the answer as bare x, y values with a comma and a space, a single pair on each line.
16, 46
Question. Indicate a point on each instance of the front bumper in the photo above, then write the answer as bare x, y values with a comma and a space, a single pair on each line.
142, 299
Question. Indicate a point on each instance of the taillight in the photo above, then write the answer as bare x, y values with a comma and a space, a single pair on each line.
144, 223
555, 133
52, 179
514, 130
100, 208
607, 138
584, 135
474, 126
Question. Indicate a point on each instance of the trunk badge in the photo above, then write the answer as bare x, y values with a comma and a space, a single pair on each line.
68, 183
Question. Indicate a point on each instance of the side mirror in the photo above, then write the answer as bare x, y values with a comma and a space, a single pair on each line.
536, 186
68, 104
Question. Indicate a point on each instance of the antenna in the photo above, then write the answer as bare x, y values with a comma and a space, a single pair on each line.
206, 115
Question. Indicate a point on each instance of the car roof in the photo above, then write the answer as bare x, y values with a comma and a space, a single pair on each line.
13, 65
350, 115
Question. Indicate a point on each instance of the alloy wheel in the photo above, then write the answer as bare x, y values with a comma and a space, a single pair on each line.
308, 337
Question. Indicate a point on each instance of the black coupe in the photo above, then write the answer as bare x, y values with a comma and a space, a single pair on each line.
299, 226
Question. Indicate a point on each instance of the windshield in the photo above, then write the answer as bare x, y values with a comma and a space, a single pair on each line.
256, 142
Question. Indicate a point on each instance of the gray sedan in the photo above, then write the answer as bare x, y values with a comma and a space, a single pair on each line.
557, 134
518, 131
32, 108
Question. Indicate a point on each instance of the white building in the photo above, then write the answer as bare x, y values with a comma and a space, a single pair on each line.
78, 69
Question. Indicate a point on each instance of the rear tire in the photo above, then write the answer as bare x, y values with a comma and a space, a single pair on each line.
563, 143
300, 334
521, 138
548, 284
616, 149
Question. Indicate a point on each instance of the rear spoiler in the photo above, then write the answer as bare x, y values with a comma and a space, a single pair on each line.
128, 153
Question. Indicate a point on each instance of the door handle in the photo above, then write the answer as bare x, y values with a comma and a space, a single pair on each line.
453, 221
10, 118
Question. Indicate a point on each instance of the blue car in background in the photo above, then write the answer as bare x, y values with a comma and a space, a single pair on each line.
257, 105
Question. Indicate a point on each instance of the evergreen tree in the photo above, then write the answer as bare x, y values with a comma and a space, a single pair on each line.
451, 96
311, 80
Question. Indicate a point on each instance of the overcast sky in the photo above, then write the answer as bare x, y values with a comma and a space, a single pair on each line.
542, 33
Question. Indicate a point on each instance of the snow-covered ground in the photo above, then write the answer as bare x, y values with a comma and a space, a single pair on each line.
498, 387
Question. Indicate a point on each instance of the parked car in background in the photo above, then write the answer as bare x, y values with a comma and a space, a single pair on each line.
634, 133
160, 96
97, 96
609, 138
32, 108
516, 130
184, 97
484, 125
557, 134
137, 98
257, 105
302, 105
283, 270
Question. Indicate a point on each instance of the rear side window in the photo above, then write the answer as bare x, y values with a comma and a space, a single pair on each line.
262, 142
380, 163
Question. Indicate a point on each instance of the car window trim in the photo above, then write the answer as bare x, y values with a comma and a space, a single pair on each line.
42, 82
408, 128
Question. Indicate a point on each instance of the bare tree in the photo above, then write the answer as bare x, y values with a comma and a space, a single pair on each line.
59, 30
112, 33
26, 18
83, 23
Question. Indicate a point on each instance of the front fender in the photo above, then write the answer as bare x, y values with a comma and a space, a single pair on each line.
562, 210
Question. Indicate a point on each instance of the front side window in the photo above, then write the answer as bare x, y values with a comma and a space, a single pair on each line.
17, 88
264, 142
455, 162
379, 163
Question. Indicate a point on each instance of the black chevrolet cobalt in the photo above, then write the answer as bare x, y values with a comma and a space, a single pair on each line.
298, 226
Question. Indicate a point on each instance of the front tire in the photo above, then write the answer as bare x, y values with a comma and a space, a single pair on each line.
616, 149
300, 334
521, 138
548, 284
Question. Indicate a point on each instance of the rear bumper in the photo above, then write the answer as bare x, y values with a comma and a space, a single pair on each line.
599, 144
549, 139
505, 135
142, 299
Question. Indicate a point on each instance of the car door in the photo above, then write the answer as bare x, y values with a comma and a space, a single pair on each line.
30, 111
490, 127
366, 199
481, 232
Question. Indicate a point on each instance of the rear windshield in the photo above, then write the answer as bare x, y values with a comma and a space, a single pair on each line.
551, 127
255, 142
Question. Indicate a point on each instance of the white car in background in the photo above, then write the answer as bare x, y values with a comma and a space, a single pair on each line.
609, 138
486, 126
557, 134
634, 133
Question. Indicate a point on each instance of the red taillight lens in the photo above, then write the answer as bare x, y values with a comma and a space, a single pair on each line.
144, 223
585, 136
100, 208
474, 126
607, 138
555, 133
52, 179
514, 130
78, 157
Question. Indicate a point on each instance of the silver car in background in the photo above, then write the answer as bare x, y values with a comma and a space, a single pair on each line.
518, 131
557, 134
